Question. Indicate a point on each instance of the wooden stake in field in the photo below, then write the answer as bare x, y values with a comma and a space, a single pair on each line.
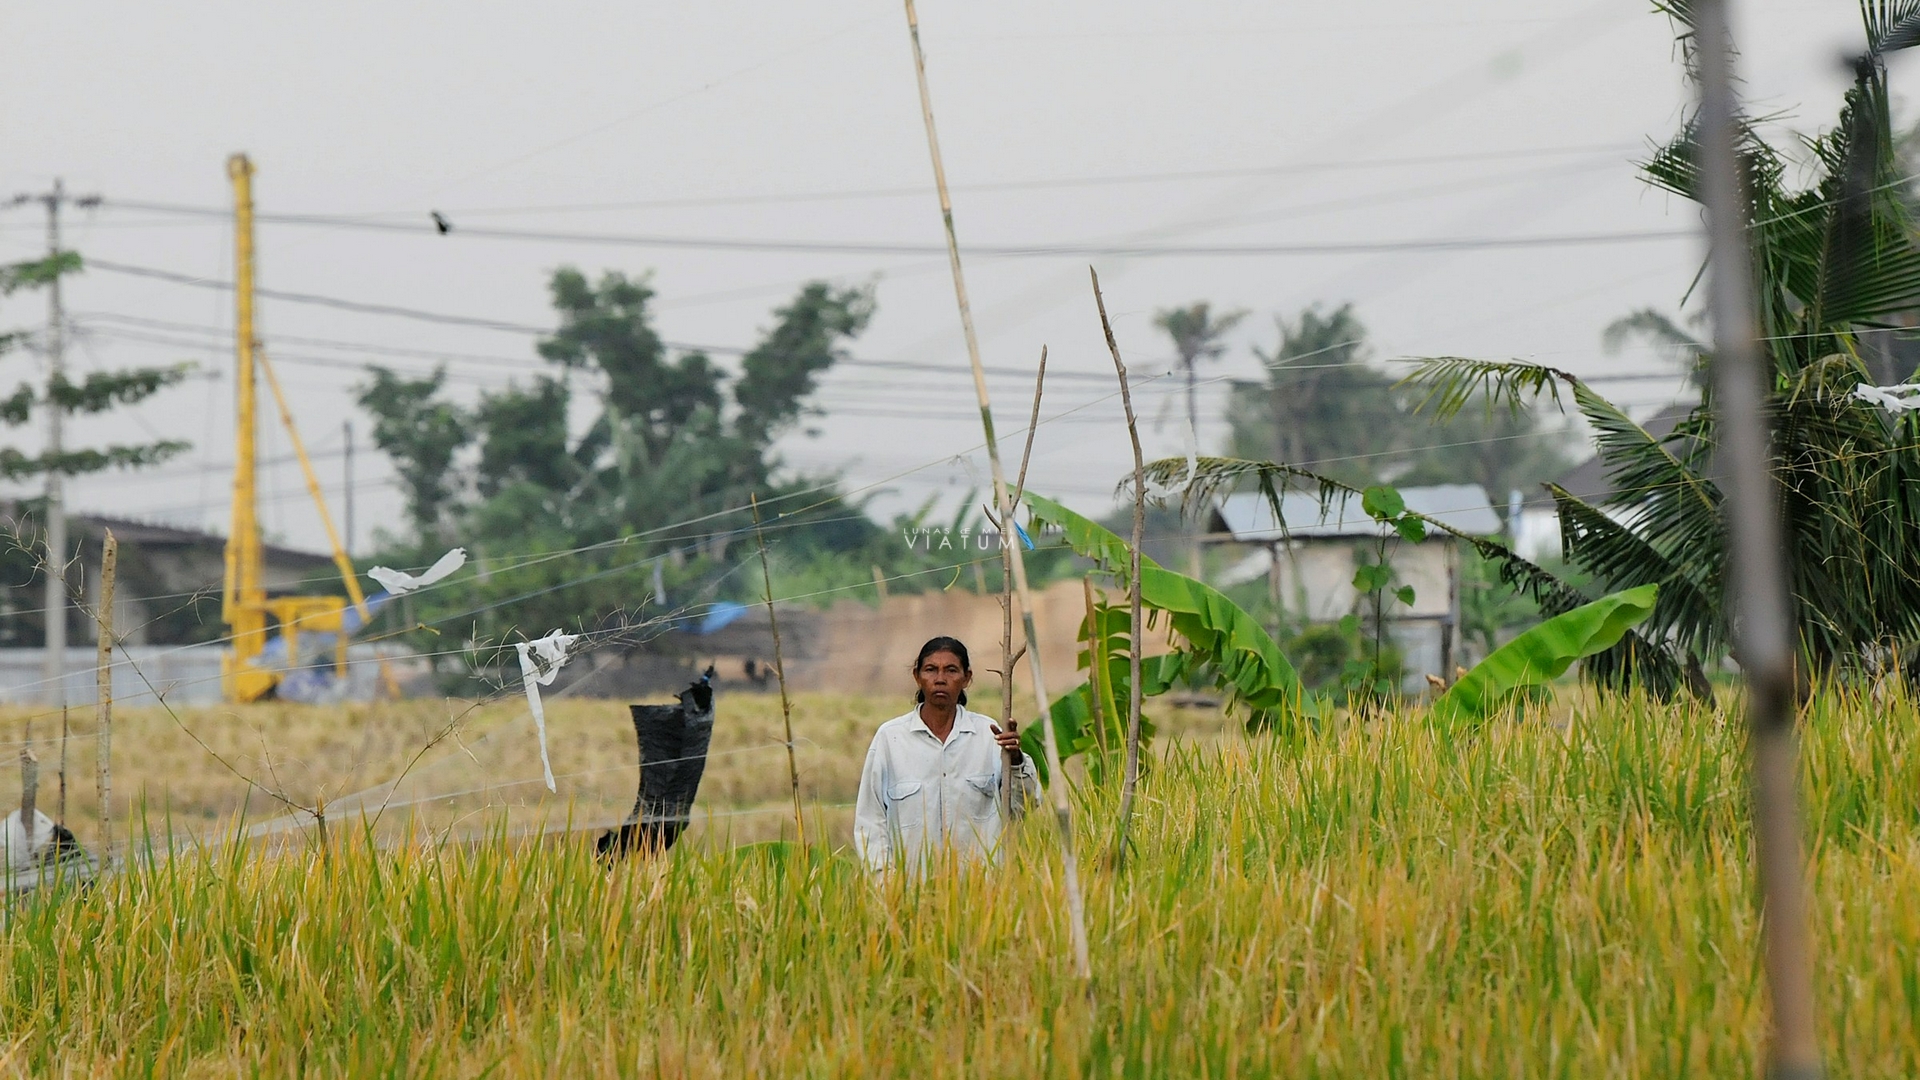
1763, 626
103, 683
1062, 809
29, 791
1132, 780
1011, 803
780, 673
60, 809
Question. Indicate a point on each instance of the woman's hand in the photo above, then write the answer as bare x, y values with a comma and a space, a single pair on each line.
1008, 739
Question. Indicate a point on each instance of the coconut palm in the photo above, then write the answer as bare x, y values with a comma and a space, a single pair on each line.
1834, 261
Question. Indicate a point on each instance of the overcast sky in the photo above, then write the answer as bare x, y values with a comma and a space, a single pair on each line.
1063, 124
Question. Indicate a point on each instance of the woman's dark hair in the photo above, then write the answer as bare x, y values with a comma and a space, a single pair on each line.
942, 644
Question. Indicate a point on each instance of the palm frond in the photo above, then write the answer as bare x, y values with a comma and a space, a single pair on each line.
1450, 382
1688, 610
1891, 26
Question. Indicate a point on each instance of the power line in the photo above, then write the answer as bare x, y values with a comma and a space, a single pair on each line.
527, 363
921, 191
1009, 251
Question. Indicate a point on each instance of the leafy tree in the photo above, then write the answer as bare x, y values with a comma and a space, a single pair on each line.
421, 434
1197, 332
525, 438
1322, 404
1326, 407
642, 509
1835, 260
97, 393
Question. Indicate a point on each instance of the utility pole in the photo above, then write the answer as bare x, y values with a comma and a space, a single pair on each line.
1764, 638
346, 428
55, 607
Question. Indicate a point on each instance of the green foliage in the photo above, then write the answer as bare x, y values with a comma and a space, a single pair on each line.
1636, 660
1543, 654
643, 514
420, 434
1326, 407
1836, 262
1078, 730
1220, 639
524, 438
1322, 403
98, 392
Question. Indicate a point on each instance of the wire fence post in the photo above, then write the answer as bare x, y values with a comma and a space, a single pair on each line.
103, 683
780, 674
1763, 624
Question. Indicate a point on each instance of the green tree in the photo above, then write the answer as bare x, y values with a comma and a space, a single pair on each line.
1499, 448
648, 501
524, 438
1197, 334
98, 392
1835, 260
1322, 405
420, 433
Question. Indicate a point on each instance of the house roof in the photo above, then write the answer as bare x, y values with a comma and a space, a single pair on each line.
152, 535
1249, 516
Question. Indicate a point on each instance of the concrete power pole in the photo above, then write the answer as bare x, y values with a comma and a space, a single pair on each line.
55, 606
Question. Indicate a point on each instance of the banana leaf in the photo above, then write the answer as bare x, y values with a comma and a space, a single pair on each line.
1219, 635
1543, 654
1072, 714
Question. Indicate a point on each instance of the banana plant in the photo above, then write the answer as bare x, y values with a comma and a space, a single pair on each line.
1541, 655
1213, 637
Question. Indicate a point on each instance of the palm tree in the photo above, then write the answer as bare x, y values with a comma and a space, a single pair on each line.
1196, 332
1834, 261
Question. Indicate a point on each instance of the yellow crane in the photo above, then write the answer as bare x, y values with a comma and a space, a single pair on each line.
245, 674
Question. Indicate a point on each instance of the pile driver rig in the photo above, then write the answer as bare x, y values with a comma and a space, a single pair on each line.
258, 660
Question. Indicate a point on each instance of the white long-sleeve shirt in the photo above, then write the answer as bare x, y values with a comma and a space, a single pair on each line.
918, 794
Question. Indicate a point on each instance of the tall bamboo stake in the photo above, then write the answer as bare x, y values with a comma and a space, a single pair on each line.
1132, 780
103, 683
1062, 809
1763, 626
780, 673
1012, 805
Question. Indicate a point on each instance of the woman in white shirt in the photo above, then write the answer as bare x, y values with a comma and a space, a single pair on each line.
932, 777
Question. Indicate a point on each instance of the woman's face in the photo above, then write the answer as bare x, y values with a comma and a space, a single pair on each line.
941, 677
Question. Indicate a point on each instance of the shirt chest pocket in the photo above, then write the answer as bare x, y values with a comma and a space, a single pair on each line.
907, 804
980, 795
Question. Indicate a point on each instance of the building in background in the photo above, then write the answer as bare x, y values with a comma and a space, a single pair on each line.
1309, 564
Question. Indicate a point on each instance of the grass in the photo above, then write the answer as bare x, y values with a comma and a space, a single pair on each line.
1568, 898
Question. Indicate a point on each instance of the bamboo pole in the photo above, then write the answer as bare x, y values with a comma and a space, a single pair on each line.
1132, 781
1011, 804
780, 673
103, 684
1062, 809
1763, 625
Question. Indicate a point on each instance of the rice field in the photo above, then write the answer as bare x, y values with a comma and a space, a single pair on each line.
1569, 895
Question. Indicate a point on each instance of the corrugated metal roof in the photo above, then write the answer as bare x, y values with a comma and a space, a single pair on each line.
1249, 516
